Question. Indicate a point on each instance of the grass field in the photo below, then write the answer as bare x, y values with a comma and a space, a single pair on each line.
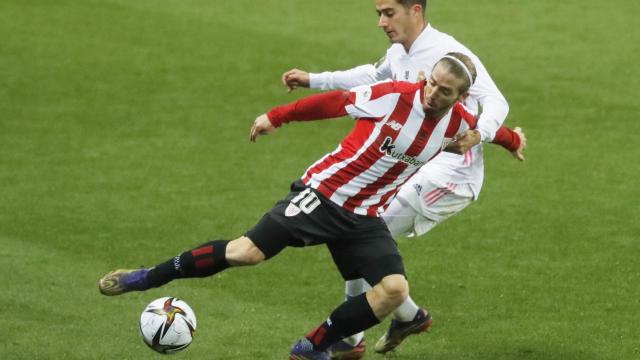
124, 140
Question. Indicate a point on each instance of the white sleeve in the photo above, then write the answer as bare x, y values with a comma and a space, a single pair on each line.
494, 106
347, 79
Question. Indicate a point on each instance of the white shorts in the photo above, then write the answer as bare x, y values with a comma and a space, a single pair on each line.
422, 203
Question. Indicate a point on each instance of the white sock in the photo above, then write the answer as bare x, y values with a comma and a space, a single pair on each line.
407, 311
354, 288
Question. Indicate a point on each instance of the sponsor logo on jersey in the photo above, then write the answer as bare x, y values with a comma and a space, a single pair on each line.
394, 125
387, 147
418, 188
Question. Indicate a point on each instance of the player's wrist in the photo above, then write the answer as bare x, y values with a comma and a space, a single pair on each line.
315, 80
485, 136
276, 116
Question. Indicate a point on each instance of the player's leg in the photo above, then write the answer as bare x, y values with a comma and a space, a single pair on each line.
367, 251
363, 311
262, 242
400, 219
387, 295
408, 318
352, 347
399, 330
433, 203
204, 260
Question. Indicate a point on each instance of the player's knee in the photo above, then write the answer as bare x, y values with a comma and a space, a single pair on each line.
395, 288
242, 251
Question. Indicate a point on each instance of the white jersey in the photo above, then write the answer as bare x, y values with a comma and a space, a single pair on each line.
399, 64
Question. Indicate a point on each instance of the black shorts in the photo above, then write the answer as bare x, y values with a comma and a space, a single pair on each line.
361, 246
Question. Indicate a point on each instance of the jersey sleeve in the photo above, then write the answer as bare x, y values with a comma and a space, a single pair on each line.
461, 120
320, 106
465, 116
368, 101
347, 79
494, 106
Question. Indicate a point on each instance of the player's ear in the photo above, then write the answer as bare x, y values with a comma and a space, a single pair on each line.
416, 9
463, 96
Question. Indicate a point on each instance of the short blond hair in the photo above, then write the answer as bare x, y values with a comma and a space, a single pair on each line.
456, 69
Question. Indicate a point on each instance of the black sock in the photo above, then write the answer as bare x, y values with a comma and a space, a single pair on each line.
353, 316
205, 260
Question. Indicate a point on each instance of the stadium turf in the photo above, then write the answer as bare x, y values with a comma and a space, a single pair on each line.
124, 140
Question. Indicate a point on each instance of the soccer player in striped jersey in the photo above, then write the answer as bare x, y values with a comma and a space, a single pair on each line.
399, 127
447, 184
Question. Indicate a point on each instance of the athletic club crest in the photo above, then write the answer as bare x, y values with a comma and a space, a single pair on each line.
291, 210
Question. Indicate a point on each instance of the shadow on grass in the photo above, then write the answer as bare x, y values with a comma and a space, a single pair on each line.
516, 353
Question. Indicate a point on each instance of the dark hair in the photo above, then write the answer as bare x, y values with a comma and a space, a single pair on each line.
456, 69
408, 3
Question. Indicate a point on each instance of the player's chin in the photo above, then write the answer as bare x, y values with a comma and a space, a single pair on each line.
428, 106
431, 111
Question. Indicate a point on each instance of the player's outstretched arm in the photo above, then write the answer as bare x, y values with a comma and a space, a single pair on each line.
261, 126
315, 107
345, 79
295, 78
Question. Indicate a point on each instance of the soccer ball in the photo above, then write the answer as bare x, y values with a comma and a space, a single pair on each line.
167, 325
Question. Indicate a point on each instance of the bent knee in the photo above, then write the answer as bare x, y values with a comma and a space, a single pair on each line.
242, 251
395, 288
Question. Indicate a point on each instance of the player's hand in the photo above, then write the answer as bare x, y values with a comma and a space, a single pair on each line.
463, 142
295, 78
518, 154
262, 126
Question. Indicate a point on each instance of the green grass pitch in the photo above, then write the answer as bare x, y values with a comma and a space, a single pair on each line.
124, 140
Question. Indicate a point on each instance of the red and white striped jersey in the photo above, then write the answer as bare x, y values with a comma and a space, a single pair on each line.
391, 140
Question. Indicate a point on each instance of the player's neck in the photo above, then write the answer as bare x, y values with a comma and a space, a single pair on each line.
409, 43
432, 115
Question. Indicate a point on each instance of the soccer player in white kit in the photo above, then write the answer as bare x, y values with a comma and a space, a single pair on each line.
442, 187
